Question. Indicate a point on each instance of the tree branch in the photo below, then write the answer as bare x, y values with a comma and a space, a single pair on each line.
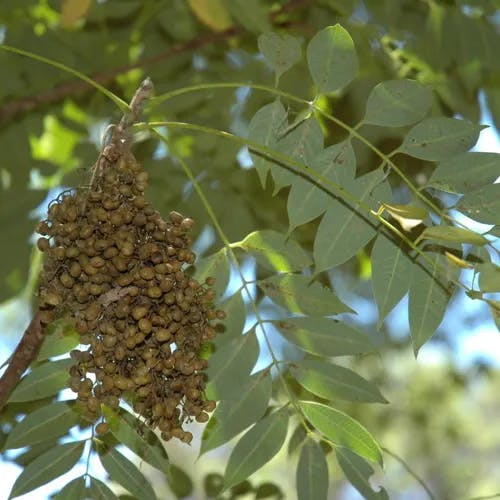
24, 354
13, 109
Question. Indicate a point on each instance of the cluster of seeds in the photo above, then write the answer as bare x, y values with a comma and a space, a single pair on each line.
119, 271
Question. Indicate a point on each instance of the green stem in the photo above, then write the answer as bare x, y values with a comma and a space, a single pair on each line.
411, 472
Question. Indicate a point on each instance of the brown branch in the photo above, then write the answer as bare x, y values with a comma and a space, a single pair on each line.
24, 354
13, 109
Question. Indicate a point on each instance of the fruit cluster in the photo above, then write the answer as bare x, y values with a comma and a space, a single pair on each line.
120, 272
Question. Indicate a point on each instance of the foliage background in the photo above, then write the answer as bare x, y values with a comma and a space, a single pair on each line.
442, 410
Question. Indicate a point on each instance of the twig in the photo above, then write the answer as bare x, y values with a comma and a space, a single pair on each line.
411, 472
142, 94
22, 357
16, 107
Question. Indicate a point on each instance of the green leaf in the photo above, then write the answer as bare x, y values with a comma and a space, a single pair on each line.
43, 424
482, 205
99, 491
298, 436
312, 472
296, 293
52, 464
144, 443
428, 299
466, 172
451, 233
332, 59
439, 138
42, 381
59, 338
74, 490
396, 103
268, 490
358, 471
180, 483
213, 484
274, 251
495, 311
264, 128
489, 277
342, 430
281, 51
333, 382
302, 143
34, 451
249, 13
236, 315
307, 200
216, 265
391, 267
124, 472
237, 411
231, 365
212, 13
346, 228
324, 337
257, 447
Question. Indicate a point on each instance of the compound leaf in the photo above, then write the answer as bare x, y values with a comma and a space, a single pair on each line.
180, 483
124, 472
237, 411
482, 204
45, 423
342, 430
489, 278
275, 251
358, 471
428, 299
74, 490
48, 466
231, 365
264, 128
454, 234
346, 227
144, 443
332, 59
99, 491
466, 172
296, 293
331, 381
307, 200
324, 337
44, 380
257, 447
281, 51
217, 266
391, 267
439, 138
302, 143
312, 472
396, 103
